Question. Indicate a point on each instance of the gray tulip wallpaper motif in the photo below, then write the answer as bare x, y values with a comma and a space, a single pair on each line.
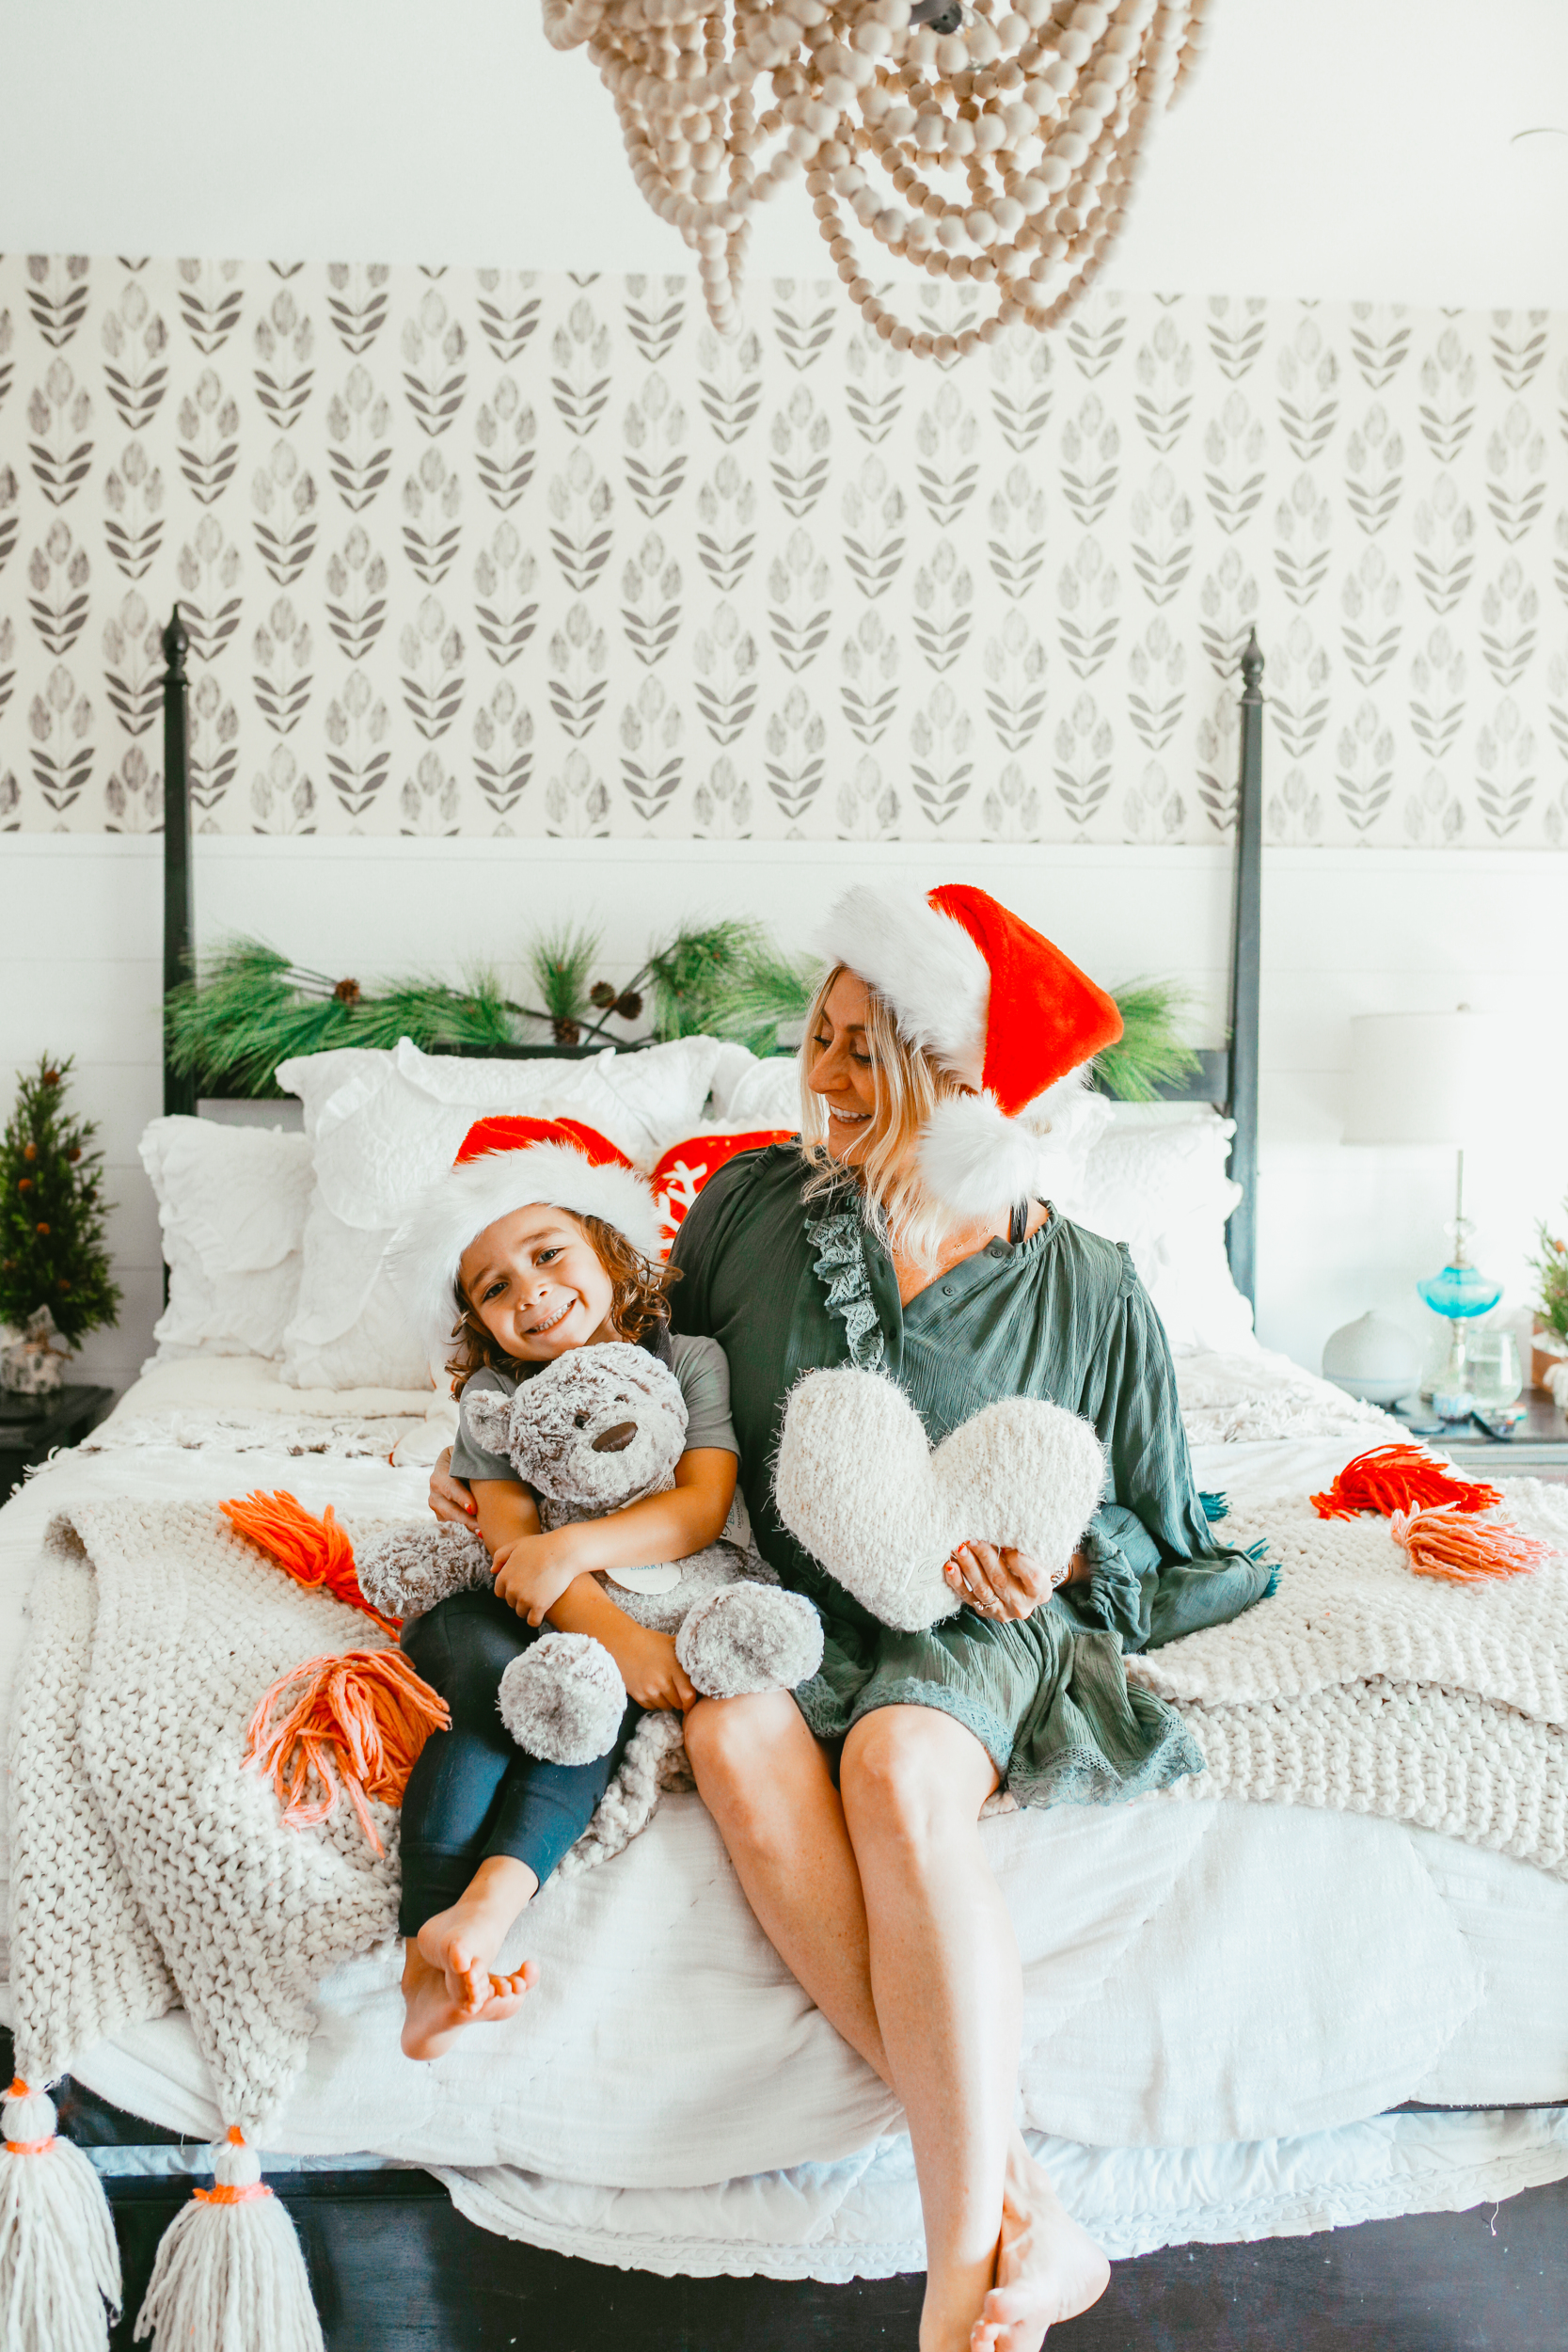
477, 551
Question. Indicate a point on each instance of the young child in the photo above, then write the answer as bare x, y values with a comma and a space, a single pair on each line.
541, 1238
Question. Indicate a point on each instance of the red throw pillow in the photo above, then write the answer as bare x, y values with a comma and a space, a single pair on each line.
685, 1168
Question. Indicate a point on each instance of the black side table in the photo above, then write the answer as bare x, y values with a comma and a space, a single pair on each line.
1538, 1448
32, 1426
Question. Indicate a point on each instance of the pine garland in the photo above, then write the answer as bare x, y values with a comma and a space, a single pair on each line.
52, 1212
252, 1008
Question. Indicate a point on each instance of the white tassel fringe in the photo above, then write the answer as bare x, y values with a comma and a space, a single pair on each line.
59, 2264
230, 2275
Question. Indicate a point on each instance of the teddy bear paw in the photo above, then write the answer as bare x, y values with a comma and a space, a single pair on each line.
750, 1637
411, 1570
563, 1699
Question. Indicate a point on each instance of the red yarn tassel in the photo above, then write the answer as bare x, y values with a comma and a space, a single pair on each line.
1400, 1478
354, 1723
1449, 1543
315, 1552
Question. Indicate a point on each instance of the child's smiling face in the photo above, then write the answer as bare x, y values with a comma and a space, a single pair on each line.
534, 1279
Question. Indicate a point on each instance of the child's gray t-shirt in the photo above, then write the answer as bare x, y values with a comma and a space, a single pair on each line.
701, 1369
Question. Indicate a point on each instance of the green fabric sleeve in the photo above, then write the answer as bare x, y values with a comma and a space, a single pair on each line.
1154, 1571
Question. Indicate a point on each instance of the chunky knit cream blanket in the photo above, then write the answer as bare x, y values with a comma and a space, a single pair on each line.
1365, 1689
148, 1870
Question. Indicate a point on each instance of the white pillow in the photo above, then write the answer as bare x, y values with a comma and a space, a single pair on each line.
1155, 1178
663, 1089
757, 1093
232, 1204
384, 1124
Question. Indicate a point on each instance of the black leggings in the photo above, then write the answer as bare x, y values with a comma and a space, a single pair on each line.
473, 1791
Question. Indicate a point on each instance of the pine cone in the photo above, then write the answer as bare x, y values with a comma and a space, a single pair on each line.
50, 1077
346, 993
628, 1003
602, 994
567, 1032
74, 1153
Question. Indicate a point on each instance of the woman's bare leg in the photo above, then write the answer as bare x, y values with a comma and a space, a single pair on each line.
947, 1987
766, 1781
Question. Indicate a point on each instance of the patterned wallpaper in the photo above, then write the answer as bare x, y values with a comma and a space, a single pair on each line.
477, 551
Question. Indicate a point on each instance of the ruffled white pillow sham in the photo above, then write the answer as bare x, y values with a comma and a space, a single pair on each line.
232, 1203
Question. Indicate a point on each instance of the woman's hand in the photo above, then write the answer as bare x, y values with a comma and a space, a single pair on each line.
450, 1499
652, 1672
1003, 1584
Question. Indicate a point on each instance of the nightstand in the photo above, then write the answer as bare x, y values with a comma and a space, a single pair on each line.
1538, 1449
32, 1426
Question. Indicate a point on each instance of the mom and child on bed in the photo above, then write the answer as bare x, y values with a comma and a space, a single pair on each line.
902, 1231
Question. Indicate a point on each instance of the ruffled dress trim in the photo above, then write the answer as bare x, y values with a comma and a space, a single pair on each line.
841, 1269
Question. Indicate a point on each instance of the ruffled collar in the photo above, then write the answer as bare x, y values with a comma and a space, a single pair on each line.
839, 1239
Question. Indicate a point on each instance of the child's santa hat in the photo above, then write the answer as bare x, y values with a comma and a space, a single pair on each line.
505, 1164
995, 1006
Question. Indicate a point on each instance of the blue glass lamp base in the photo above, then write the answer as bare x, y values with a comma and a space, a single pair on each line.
1460, 1292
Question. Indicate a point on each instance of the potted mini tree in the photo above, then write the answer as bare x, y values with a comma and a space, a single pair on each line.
55, 1282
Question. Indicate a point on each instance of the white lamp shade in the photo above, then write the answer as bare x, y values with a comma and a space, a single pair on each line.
1426, 1078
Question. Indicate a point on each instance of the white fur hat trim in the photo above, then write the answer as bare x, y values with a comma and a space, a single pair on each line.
924, 963
428, 1248
977, 1161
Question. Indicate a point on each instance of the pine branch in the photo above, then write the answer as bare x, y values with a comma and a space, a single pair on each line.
560, 961
1150, 1053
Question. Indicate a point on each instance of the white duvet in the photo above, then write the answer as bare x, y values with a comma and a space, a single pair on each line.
1194, 1974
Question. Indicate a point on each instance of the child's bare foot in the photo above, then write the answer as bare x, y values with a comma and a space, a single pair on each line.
447, 1983
1048, 2269
433, 2019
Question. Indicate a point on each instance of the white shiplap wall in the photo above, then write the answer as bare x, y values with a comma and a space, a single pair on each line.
1344, 931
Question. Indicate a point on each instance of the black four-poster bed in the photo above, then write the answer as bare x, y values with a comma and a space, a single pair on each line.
395, 2267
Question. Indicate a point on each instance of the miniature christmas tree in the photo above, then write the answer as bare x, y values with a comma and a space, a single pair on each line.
52, 1211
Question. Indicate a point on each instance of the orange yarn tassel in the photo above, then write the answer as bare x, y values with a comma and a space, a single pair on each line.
356, 1722
315, 1552
1448, 1542
1400, 1478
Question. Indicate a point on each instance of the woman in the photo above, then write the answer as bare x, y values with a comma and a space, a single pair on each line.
905, 1232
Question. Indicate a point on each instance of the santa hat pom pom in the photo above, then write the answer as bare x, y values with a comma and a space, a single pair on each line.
976, 1162
229, 2270
59, 2264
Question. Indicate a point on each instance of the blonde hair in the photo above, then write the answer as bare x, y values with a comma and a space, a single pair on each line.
907, 1086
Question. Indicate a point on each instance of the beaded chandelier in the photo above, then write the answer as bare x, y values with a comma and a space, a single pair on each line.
1009, 138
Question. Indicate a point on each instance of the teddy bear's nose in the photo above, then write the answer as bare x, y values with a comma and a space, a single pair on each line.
616, 1439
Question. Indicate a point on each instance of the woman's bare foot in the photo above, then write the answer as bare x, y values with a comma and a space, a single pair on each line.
1048, 2269
446, 1979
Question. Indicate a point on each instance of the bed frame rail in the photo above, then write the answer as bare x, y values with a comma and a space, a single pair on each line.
1225, 1077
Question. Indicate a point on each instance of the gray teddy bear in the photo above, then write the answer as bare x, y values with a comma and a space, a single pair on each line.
598, 1429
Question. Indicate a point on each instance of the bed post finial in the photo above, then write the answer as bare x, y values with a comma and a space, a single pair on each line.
178, 912
177, 643
1251, 668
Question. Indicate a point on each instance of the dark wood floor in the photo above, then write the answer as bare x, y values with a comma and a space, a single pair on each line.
396, 2269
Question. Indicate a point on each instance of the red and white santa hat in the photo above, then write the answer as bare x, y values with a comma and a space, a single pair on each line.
995, 1006
504, 1164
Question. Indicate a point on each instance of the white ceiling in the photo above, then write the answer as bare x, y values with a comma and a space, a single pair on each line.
1330, 149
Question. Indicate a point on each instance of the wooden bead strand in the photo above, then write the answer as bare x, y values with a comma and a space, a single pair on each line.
1037, 112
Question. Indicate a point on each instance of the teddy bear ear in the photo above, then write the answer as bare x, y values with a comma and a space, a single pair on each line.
487, 1417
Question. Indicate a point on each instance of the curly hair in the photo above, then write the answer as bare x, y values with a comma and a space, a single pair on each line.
640, 1303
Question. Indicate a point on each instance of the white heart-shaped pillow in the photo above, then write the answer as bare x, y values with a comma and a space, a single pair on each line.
857, 1484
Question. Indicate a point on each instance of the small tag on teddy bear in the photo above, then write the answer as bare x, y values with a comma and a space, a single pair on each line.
662, 1578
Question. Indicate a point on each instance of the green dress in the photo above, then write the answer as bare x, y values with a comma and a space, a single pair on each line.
787, 1286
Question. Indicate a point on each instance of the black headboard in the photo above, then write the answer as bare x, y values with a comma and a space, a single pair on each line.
1225, 1077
